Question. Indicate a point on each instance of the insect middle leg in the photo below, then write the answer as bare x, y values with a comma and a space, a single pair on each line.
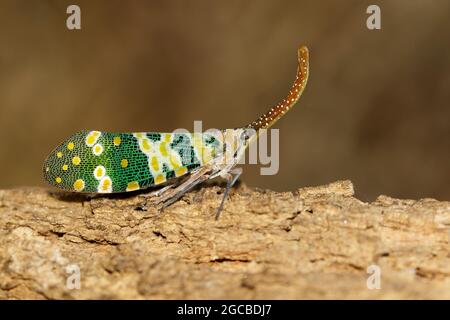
173, 195
184, 188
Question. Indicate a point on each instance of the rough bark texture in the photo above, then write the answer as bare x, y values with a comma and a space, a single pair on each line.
314, 243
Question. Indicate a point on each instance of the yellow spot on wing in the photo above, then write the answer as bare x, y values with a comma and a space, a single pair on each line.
163, 149
70, 145
59, 154
97, 149
124, 163
174, 160
117, 141
139, 135
155, 163
181, 171
78, 185
160, 179
58, 180
105, 185
167, 137
146, 145
92, 138
76, 160
99, 172
207, 154
65, 167
134, 185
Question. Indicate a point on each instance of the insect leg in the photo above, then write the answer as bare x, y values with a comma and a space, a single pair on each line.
185, 188
191, 179
157, 193
160, 192
231, 177
153, 194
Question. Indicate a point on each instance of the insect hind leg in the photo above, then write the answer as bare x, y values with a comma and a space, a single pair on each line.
155, 194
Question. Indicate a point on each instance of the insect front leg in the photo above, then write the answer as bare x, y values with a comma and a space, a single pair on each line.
232, 176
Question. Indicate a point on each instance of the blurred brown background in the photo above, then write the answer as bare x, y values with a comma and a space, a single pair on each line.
376, 109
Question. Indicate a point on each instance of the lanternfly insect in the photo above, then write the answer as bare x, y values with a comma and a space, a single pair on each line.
106, 162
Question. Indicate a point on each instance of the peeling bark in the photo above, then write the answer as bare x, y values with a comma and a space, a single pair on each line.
317, 242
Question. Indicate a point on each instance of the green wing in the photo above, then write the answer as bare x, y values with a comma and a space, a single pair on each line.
105, 162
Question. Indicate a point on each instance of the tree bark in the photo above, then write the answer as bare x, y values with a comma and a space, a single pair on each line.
317, 242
